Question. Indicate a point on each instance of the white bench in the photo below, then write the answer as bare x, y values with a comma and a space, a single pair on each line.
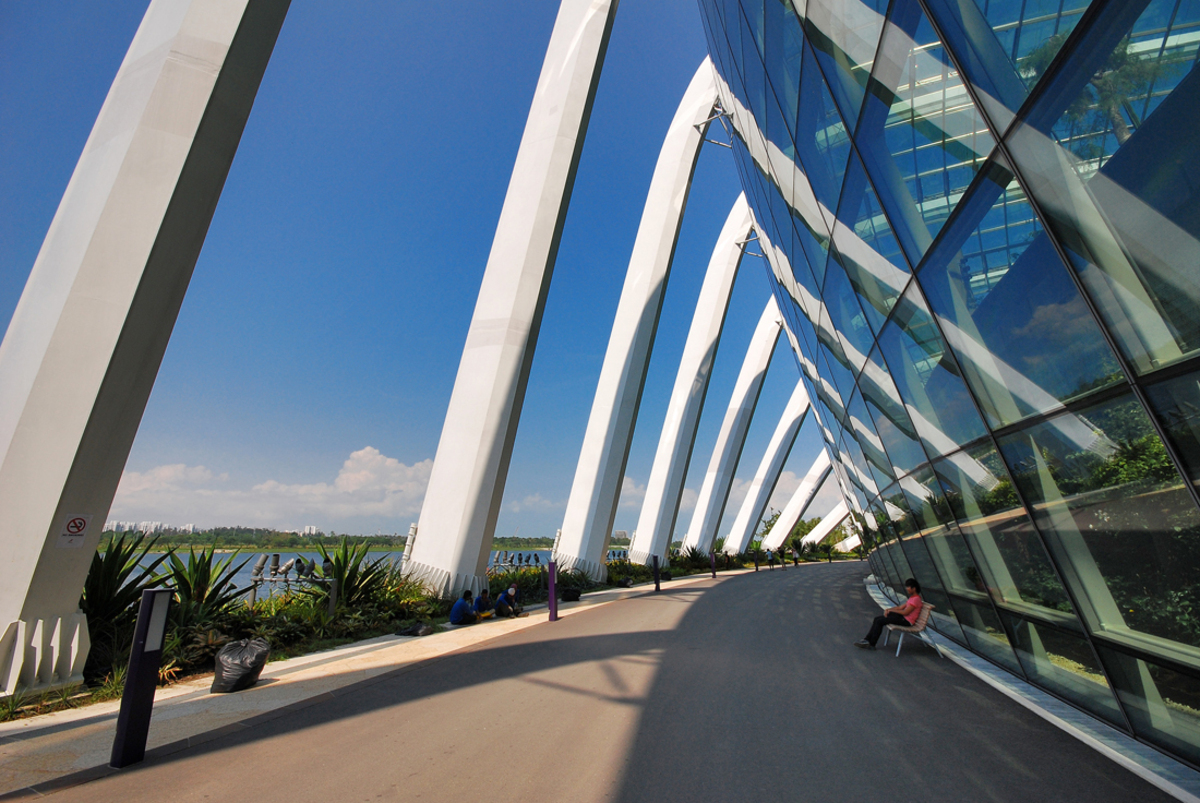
917, 629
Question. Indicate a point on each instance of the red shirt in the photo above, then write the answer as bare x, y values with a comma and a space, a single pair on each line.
915, 601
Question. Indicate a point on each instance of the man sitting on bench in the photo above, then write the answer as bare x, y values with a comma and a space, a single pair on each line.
905, 615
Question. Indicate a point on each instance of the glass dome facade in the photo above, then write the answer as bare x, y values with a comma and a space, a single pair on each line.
981, 219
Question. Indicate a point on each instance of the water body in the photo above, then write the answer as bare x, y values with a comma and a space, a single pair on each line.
242, 579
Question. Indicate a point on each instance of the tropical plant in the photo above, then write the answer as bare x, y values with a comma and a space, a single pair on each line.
204, 588
359, 580
111, 593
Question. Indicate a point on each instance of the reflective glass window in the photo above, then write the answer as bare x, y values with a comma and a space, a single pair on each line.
1110, 156
947, 549
1114, 510
1176, 402
985, 634
891, 420
1017, 323
920, 135
811, 226
783, 56
846, 315
822, 141
845, 36
1064, 664
927, 378
1162, 703
868, 439
867, 247
1012, 562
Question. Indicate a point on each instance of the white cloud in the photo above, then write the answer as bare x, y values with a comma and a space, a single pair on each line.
533, 502
369, 485
632, 494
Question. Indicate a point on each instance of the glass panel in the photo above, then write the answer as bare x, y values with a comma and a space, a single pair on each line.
1113, 509
1007, 549
867, 247
1110, 157
844, 36
846, 315
985, 634
891, 421
1163, 704
1176, 402
1065, 665
919, 132
811, 228
1022, 333
927, 378
822, 140
868, 440
946, 546
783, 56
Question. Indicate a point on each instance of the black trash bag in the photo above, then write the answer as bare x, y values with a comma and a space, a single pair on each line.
239, 663
570, 595
625, 582
418, 629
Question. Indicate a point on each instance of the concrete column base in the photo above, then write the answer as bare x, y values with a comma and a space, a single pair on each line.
445, 584
43, 655
597, 570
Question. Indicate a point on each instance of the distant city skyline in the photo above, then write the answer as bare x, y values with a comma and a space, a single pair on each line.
308, 375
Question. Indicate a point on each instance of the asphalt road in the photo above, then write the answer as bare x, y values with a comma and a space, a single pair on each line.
746, 687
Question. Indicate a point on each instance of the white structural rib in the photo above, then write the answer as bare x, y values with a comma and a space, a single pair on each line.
458, 517
763, 484
801, 499
832, 519
718, 478
596, 490
665, 486
84, 345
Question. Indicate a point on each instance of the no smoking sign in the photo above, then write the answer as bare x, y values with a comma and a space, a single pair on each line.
73, 532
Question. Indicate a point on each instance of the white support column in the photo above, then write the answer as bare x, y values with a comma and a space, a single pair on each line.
596, 490
669, 471
466, 485
87, 338
793, 511
832, 519
759, 493
718, 478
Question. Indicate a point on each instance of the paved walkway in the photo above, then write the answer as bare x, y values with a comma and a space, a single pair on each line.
743, 687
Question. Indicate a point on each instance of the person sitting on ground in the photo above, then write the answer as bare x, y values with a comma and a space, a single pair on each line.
483, 605
905, 615
506, 604
461, 613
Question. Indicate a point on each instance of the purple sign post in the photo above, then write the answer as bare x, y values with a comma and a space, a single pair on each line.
552, 567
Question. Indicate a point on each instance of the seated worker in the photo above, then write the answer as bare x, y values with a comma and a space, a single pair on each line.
461, 613
483, 605
506, 604
905, 615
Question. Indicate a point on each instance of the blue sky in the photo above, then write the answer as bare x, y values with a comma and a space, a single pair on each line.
309, 371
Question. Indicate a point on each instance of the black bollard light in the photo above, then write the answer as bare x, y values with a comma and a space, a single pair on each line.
141, 679
552, 568
654, 559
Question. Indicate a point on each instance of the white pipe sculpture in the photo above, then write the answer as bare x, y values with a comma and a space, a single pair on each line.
596, 490
832, 519
718, 478
793, 511
763, 484
664, 489
87, 338
466, 485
